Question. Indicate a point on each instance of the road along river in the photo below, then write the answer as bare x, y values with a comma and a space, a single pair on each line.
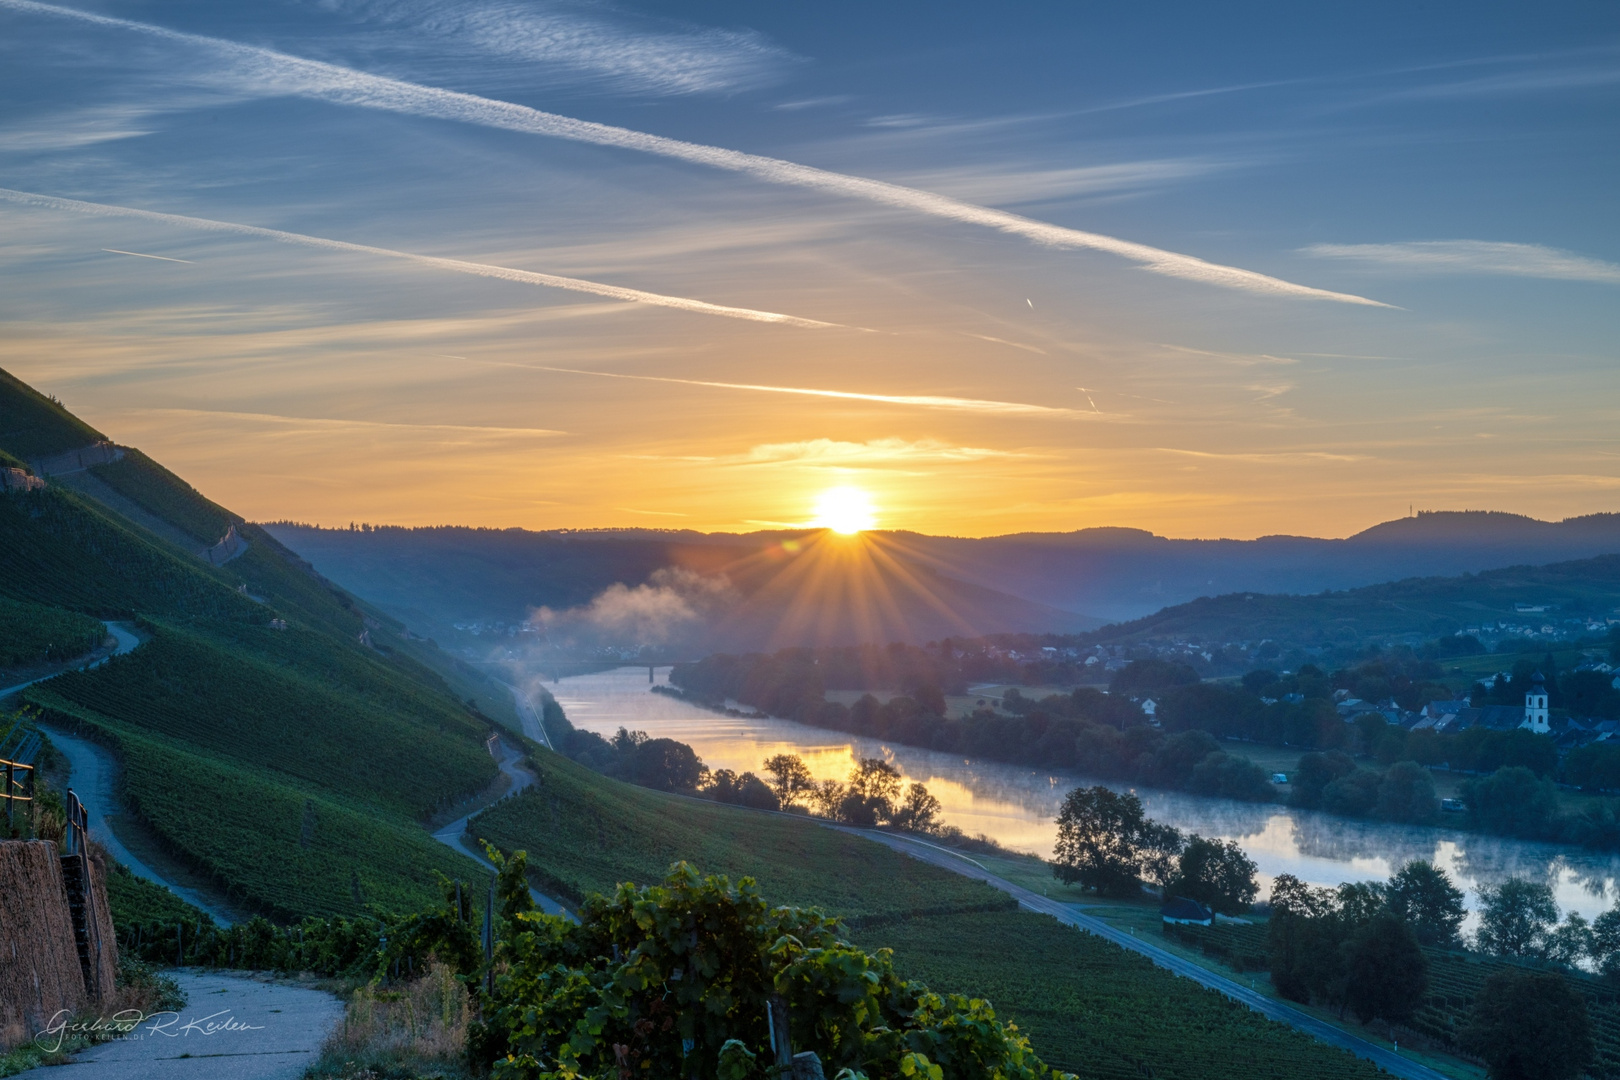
1018, 806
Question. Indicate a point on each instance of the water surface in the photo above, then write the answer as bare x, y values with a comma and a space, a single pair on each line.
1017, 806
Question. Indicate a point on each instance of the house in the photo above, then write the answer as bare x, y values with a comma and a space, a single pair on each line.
1181, 911
1279, 778
1149, 707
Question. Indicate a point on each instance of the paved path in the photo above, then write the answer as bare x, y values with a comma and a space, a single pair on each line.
532, 725
127, 640
455, 834
93, 775
1071, 916
233, 1028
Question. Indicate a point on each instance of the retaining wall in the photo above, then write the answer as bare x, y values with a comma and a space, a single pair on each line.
39, 963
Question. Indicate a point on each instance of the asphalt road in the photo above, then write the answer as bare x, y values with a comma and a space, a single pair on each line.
127, 640
233, 1028
454, 835
532, 727
1067, 914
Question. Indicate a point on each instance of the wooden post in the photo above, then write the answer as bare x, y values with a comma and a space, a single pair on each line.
180, 944
776, 1015
9, 780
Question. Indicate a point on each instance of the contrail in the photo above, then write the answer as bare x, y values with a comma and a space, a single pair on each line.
1004, 408
144, 255
503, 273
279, 73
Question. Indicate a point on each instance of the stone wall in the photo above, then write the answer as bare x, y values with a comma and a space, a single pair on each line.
39, 963
100, 453
19, 480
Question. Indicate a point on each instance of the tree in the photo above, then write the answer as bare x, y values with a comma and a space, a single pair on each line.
1230, 777
1353, 795
1150, 675
1514, 917
918, 811
1571, 941
1100, 840
1422, 896
1605, 944
930, 698
1406, 793
1215, 873
663, 764
1513, 801
1387, 975
876, 784
790, 778
1314, 773
1530, 1026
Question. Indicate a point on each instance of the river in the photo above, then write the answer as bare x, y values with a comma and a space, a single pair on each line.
1017, 806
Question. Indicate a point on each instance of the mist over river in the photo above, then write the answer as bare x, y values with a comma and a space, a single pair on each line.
1017, 806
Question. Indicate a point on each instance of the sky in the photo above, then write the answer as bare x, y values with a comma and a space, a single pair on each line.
1207, 270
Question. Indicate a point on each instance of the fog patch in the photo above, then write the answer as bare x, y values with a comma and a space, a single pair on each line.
670, 602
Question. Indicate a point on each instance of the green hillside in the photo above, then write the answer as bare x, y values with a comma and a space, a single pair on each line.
295, 766
33, 425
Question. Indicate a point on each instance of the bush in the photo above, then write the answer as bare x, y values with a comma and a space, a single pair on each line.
674, 980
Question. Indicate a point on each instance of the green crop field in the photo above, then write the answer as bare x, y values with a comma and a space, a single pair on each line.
586, 834
1096, 1010
35, 634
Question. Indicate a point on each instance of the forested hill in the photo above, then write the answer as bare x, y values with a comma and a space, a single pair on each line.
774, 590
1122, 574
274, 735
1417, 607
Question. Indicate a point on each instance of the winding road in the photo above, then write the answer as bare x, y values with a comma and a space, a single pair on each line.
454, 835
127, 639
1069, 915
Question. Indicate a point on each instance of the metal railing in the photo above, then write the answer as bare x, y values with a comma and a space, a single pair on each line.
17, 752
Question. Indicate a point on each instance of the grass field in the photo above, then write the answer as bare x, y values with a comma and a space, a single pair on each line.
585, 833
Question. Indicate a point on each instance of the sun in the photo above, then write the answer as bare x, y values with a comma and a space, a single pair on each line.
846, 510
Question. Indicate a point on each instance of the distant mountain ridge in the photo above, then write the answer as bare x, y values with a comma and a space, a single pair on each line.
1021, 582
1120, 574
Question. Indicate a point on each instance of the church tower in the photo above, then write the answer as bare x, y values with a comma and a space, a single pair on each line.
1535, 707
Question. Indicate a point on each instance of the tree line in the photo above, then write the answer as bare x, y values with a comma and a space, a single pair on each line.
1370, 768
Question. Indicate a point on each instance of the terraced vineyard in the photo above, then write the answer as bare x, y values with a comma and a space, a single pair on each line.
150, 485
292, 766
320, 721
35, 634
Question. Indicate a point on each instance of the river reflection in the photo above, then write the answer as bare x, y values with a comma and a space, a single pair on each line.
1018, 806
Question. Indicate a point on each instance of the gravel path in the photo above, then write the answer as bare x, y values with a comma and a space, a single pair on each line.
235, 1027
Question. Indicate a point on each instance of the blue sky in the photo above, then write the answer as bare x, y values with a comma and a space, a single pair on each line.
1227, 271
